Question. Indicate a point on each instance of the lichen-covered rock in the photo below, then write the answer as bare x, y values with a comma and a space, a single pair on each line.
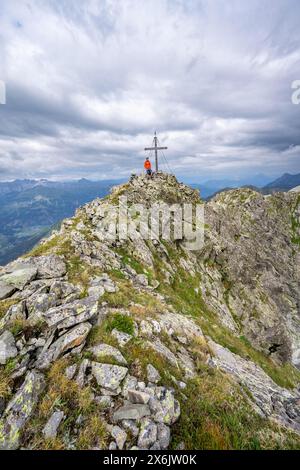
49, 266
104, 350
107, 375
52, 425
272, 400
6, 290
152, 374
72, 339
7, 347
122, 338
119, 435
19, 278
148, 434
160, 348
163, 436
71, 314
19, 409
164, 407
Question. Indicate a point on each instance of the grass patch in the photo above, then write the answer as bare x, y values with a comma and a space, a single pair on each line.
5, 305
120, 322
286, 375
216, 417
64, 394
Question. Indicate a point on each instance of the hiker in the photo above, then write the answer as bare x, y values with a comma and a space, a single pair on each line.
147, 166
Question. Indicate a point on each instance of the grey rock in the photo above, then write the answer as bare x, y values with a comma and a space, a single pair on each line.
132, 412
80, 379
160, 348
107, 375
135, 396
104, 350
130, 426
163, 435
71, 314
155, 446
104, 401
146, 328
19, 410
6, 290
52, 425
112, 446
119, 435
148, 434
165, 409
142, 280
15, 312
96, 291
130, 383
7, 347
19, 278
71, 371
122, 338
72, 339
49, 266
152, 374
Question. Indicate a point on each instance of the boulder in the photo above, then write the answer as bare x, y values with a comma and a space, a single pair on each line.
107, 375
7, 347
132, 412
161, 349
19, 278
72, 339
51, 427
164, 407
19, 409
119, 435
148, 434
6, 290
152, 374
49, 266
71, 314
104, 350
122, 338
135, 396
163, 436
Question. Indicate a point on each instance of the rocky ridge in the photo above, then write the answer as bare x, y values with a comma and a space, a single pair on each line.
108, 339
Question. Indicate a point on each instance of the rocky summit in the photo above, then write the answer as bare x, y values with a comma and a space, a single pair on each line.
141, 343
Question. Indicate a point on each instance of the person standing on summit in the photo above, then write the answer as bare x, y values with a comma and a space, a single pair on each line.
147, 166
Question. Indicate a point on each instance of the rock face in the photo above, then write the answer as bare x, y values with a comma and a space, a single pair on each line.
136, 323
19, 410
7, 347
107, 375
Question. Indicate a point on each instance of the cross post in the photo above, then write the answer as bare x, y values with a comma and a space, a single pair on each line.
156, 148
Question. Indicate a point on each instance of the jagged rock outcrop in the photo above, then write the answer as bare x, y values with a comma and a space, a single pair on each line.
139, 321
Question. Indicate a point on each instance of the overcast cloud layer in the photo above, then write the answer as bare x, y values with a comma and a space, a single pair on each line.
88, 83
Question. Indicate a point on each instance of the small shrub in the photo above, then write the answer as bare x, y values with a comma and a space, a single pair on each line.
122, 323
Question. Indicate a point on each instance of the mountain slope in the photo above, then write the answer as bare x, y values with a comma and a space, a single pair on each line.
142, 343
29, 209
284, 183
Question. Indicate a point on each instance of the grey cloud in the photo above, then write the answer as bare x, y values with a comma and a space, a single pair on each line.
89, 82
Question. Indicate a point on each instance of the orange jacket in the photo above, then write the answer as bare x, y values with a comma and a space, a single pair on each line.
147, 165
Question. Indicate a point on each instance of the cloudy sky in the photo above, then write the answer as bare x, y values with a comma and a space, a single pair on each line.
88, 82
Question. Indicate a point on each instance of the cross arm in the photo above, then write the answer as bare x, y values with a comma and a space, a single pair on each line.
162, 148
149, 148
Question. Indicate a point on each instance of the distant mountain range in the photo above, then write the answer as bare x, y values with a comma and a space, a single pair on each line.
30, 208
284, 183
